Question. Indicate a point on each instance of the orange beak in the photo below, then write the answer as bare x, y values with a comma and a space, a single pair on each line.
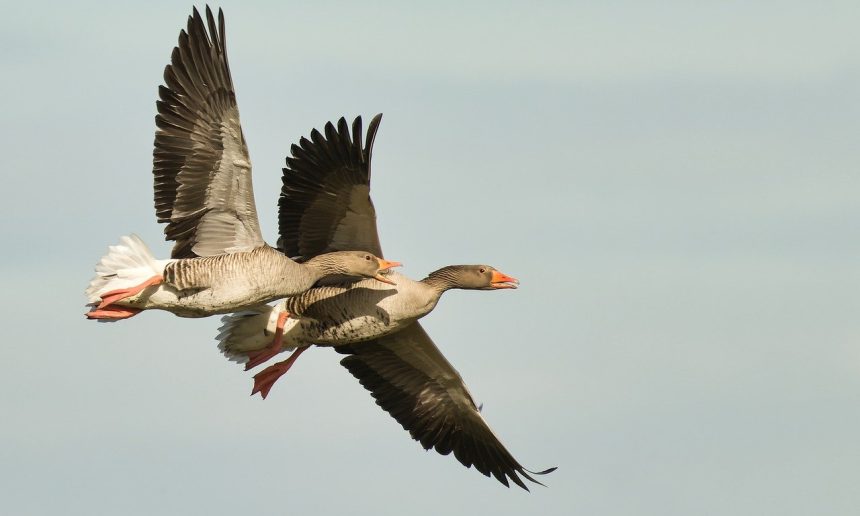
501, 280
385, 265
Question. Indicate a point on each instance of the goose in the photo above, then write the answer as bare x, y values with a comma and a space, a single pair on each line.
220, 262
325, 206
340, 314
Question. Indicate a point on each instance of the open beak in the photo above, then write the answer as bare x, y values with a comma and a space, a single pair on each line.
380, 277
385, 266
501, 280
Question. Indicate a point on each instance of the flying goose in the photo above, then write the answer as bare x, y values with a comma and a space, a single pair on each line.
325, 206
342, 314
220, 262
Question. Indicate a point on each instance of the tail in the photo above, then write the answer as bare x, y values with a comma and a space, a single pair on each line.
125, 265
247, 331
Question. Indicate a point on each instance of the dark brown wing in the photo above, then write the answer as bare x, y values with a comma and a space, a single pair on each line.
325, 200
201, 166
413, 382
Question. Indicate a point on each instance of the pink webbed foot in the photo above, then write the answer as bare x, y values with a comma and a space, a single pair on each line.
112, 312
265, 379
256, 358
115, 295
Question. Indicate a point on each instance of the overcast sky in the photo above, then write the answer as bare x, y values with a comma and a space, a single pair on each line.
676, 186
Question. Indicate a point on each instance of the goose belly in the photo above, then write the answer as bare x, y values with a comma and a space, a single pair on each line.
199, 303
254, 331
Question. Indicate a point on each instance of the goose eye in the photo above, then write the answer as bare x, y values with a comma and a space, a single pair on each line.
482, 270
367, 257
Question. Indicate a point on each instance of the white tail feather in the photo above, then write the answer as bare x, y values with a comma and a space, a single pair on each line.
248, 330
125, 265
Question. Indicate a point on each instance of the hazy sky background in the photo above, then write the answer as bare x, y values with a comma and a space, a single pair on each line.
676, 186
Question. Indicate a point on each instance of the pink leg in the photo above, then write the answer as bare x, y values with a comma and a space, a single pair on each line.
256, 358
113, 312
265, 379
115, 295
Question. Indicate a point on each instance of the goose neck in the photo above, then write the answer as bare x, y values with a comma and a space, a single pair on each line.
325, 265
442, 280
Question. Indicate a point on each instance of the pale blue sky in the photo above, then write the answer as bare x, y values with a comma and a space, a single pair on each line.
676, 187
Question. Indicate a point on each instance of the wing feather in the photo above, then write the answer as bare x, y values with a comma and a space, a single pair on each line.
201, 168
411, 380
325, 202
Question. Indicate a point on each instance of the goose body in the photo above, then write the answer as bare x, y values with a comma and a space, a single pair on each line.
346, 314
200, 287
203, 191
351, 313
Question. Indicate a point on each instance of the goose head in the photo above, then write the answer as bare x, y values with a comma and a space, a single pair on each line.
358, 264
473, 277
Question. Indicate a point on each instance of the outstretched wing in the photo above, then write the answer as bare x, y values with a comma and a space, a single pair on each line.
201, 166
413, 382
325, 200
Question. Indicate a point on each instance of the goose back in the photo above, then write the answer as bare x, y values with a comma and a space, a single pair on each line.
262, 268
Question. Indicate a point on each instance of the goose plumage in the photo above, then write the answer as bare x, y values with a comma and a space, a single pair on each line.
203, 192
